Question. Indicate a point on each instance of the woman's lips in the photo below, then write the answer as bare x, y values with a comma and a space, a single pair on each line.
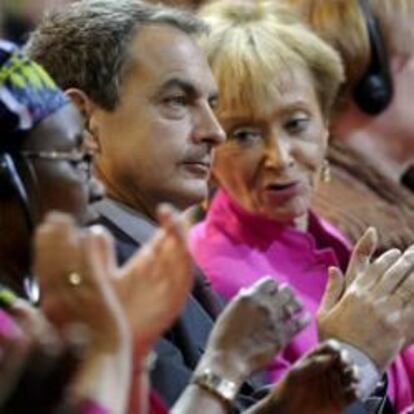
280, 193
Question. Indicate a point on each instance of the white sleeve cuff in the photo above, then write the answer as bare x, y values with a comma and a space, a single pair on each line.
369, 374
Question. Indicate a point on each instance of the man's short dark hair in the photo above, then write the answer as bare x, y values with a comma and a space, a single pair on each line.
85, 45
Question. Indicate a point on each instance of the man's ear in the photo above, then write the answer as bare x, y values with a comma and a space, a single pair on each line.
87, 109
82, 102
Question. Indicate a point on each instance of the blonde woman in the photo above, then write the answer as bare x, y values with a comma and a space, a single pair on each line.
278, 83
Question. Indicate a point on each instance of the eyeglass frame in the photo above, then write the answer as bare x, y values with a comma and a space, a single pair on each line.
84, 158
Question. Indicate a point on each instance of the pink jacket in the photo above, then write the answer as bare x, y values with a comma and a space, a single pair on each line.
235, 248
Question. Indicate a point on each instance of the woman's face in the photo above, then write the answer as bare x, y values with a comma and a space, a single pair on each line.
60, 184
271, 159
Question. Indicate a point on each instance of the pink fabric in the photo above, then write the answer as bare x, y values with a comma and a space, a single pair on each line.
157, 406
91, 407
235, 248
8, 327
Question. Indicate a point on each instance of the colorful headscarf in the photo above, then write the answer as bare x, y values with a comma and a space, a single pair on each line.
27, 92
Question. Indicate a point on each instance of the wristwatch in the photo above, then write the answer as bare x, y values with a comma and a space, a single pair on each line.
219, 387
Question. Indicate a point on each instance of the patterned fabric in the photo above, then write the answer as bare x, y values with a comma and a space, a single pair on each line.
7, 297
27, 93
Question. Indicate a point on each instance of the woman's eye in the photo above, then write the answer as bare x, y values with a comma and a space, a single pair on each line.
297, 125
246, 135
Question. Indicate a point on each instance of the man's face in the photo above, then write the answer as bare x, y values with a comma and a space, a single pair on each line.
156, 146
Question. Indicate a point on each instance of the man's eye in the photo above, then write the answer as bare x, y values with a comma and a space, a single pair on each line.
175, 101
213, 103
245, 135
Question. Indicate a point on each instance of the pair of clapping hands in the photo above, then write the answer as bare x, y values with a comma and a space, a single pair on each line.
125, 309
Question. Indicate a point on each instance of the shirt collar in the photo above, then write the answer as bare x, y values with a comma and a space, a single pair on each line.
242, 225
133, 223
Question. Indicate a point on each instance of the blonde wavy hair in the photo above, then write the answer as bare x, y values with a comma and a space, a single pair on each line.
250, 44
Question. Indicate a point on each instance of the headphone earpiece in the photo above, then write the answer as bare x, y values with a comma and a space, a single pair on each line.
374, 91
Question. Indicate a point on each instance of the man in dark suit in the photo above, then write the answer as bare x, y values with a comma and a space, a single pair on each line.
148, 107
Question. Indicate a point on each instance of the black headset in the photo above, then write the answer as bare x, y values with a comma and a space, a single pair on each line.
374, 91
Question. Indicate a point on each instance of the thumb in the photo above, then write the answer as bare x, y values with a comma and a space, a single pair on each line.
361, 255
333, 291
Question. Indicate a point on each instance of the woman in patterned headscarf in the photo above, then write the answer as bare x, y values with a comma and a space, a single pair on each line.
43, 167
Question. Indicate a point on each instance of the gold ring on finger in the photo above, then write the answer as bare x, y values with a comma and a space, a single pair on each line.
74, 279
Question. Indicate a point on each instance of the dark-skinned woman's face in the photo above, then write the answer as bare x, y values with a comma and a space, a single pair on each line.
60, 181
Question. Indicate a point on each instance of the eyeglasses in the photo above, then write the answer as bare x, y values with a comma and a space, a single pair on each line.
81, 160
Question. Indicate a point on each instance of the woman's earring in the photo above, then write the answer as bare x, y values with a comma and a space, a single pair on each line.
326, 172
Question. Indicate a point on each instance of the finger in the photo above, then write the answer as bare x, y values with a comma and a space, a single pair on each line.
166, 215
55, 223
405, 291
286, 299
138, 266
177, 241
106, 248
266, 285
361, 255
333, 291
349, 375
377, 269
34, 323
395, 275
296, 325
173, 223
181, 230
95, 279
350, 394
310, 366
62, 240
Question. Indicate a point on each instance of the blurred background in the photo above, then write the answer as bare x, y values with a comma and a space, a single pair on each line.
18, 17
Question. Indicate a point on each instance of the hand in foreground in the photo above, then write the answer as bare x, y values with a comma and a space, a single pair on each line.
324, 381
74, 283
154, 284
254, 326
14, 352
36, 366
76, 290
371, 301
